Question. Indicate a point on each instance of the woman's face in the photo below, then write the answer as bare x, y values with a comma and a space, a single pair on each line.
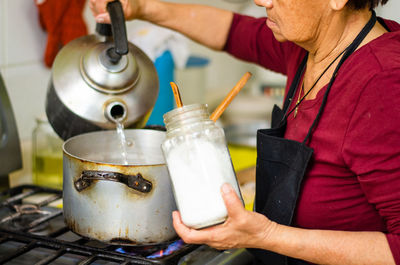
295, 20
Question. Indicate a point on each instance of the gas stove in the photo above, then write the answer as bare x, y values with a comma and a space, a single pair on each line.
32, 231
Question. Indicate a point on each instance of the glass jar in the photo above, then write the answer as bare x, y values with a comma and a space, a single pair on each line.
47, 155
199, 163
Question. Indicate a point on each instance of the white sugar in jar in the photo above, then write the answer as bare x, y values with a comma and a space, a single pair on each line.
199, 163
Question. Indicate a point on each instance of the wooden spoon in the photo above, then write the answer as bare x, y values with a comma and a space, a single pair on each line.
231, 95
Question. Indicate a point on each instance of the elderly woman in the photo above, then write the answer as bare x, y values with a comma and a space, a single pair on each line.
328, 171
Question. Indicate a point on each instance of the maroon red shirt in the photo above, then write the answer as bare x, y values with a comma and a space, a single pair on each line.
353, 181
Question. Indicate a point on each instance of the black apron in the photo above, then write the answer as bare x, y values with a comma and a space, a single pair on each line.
282, 163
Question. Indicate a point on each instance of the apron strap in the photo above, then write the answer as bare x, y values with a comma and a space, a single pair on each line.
279, 115
295, 84
349, 50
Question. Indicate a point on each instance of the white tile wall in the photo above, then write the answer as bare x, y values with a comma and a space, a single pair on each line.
90, 22
27, 86
24, 39
390, 10
2, 29
23, 44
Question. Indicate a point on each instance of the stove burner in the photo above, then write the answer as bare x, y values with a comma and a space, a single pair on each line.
153, 252
25, 216
168, 251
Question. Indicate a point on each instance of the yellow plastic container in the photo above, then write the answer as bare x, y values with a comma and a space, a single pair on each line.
244, 158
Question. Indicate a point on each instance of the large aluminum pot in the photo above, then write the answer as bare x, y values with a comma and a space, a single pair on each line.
115, 203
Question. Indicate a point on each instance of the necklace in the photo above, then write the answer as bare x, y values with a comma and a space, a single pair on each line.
300, 99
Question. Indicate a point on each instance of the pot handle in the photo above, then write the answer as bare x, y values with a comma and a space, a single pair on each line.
136, 182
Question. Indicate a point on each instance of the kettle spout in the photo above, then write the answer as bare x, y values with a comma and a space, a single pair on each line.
116, 111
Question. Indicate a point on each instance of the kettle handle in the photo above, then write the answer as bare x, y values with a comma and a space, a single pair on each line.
117, 29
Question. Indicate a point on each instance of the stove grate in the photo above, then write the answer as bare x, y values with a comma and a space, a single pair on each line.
34, 232
89, 255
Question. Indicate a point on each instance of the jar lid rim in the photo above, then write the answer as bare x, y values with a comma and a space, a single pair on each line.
184, 109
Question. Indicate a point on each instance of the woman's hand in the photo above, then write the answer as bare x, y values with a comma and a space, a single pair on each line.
132, 9
245, 229
242, 228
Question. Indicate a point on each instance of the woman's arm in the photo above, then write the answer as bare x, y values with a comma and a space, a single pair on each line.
331, 247
206, 25
252, 230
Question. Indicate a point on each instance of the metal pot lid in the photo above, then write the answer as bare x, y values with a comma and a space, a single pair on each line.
103, 75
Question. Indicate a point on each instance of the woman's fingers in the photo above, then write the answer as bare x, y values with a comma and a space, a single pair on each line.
187, 234
98, 6
232, 201
103, 18
99, 10
179, 226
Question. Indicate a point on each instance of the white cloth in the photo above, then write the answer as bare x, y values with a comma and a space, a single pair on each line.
155, 40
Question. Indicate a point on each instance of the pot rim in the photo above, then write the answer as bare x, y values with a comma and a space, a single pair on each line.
94, 133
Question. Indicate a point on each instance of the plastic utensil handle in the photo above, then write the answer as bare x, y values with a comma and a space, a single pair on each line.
177, 95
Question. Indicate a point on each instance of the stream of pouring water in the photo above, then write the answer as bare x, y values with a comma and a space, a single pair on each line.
122, 139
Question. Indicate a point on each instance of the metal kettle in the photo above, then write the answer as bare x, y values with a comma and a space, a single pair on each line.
100, 80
